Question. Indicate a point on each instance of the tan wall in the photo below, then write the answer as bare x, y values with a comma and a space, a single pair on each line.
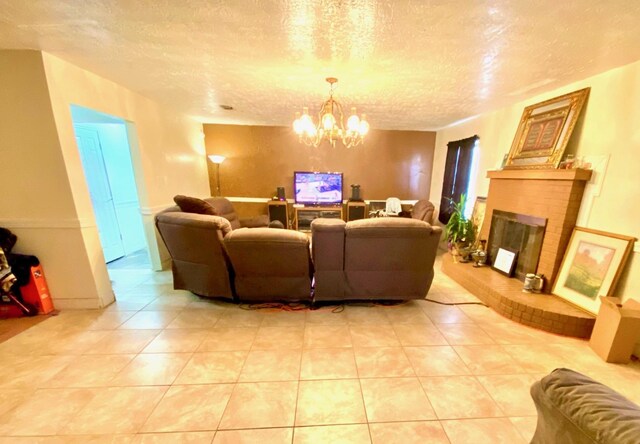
47, 201
609, 128
261, 158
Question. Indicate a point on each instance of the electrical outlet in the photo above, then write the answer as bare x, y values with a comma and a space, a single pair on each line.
636, 247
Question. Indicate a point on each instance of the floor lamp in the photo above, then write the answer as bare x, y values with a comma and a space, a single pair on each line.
217, 159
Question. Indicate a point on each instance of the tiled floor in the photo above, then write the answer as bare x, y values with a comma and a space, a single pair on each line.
165, 366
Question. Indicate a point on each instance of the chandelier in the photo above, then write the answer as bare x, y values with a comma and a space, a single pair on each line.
330, 125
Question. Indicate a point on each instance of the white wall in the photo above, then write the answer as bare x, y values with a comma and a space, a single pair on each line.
610, 129
47, 201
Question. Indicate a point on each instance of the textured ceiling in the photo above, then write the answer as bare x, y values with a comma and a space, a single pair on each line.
407, 64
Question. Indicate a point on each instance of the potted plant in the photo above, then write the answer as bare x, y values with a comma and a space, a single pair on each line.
461, 232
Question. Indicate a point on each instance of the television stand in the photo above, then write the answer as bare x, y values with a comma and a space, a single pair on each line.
304, 216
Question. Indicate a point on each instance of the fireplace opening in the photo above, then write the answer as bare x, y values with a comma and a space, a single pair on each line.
517, 232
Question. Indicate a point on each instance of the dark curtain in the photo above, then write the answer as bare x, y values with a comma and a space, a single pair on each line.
456, 174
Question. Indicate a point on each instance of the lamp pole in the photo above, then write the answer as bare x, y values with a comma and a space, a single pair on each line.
217, 180
217, 159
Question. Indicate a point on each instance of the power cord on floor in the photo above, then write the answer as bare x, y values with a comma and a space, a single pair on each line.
456, 303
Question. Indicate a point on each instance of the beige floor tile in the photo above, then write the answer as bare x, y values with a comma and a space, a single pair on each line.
482, 314
209, 304
464, 334
271, 365
444, 314
72, 342
45, 412
373, 336
106, 320
261, 404
534, 358
526, 425
228, 339
513, 333
422, 432
171, 438
251, 436
382, 362
369, 315
115, 410
174, 302
31, 372
278, 337
342, 434
407, 314
511, 393
78, 439
454, 397
176, 341
189, 408
327, 336
482, 431
195, 319
284, 318
212, 367
149, 320
326, 316
416, 335
151, 369
123, 341
395, 399
90, 371
12, 398
328, 363
488, 360
240, 318
330, 402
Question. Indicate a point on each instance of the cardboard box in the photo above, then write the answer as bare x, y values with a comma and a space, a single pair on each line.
36, 292
617, 329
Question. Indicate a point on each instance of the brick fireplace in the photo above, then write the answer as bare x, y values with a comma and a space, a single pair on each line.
550, 195
554, 195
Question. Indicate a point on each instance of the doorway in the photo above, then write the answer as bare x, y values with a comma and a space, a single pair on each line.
103, 143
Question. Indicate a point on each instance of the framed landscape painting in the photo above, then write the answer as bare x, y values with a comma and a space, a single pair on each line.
591, 267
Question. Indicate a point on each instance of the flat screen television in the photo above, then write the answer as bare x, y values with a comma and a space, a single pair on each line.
315, 188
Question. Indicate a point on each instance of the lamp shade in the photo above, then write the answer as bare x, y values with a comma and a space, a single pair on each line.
216, 158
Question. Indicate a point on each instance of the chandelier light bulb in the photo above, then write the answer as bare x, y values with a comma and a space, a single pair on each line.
353, 123
297, 125
328, 121
364, 126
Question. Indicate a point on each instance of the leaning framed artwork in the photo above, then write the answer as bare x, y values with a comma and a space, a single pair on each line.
591, 267
544, 131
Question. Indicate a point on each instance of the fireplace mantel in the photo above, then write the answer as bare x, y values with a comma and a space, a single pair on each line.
573, 174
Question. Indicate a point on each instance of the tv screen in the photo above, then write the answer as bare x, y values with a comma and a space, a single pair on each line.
317, 188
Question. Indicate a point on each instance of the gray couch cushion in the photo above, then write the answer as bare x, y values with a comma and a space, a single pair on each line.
573, 408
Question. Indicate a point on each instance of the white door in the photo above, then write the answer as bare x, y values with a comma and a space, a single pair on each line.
98, 182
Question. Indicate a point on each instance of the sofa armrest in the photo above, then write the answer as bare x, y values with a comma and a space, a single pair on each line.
255, 222
575, 409
327, 244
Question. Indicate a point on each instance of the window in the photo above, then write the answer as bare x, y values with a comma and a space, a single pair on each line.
457, 171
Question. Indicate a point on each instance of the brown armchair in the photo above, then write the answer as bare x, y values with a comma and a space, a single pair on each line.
423, 210
199, 261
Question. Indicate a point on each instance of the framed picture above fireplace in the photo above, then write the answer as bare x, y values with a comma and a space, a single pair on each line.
591, 267
544, 131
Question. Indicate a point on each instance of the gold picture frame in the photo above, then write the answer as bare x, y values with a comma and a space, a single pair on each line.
591, 267
544, 131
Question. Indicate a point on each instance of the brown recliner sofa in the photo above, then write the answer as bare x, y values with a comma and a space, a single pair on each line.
219, 256
379, 258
